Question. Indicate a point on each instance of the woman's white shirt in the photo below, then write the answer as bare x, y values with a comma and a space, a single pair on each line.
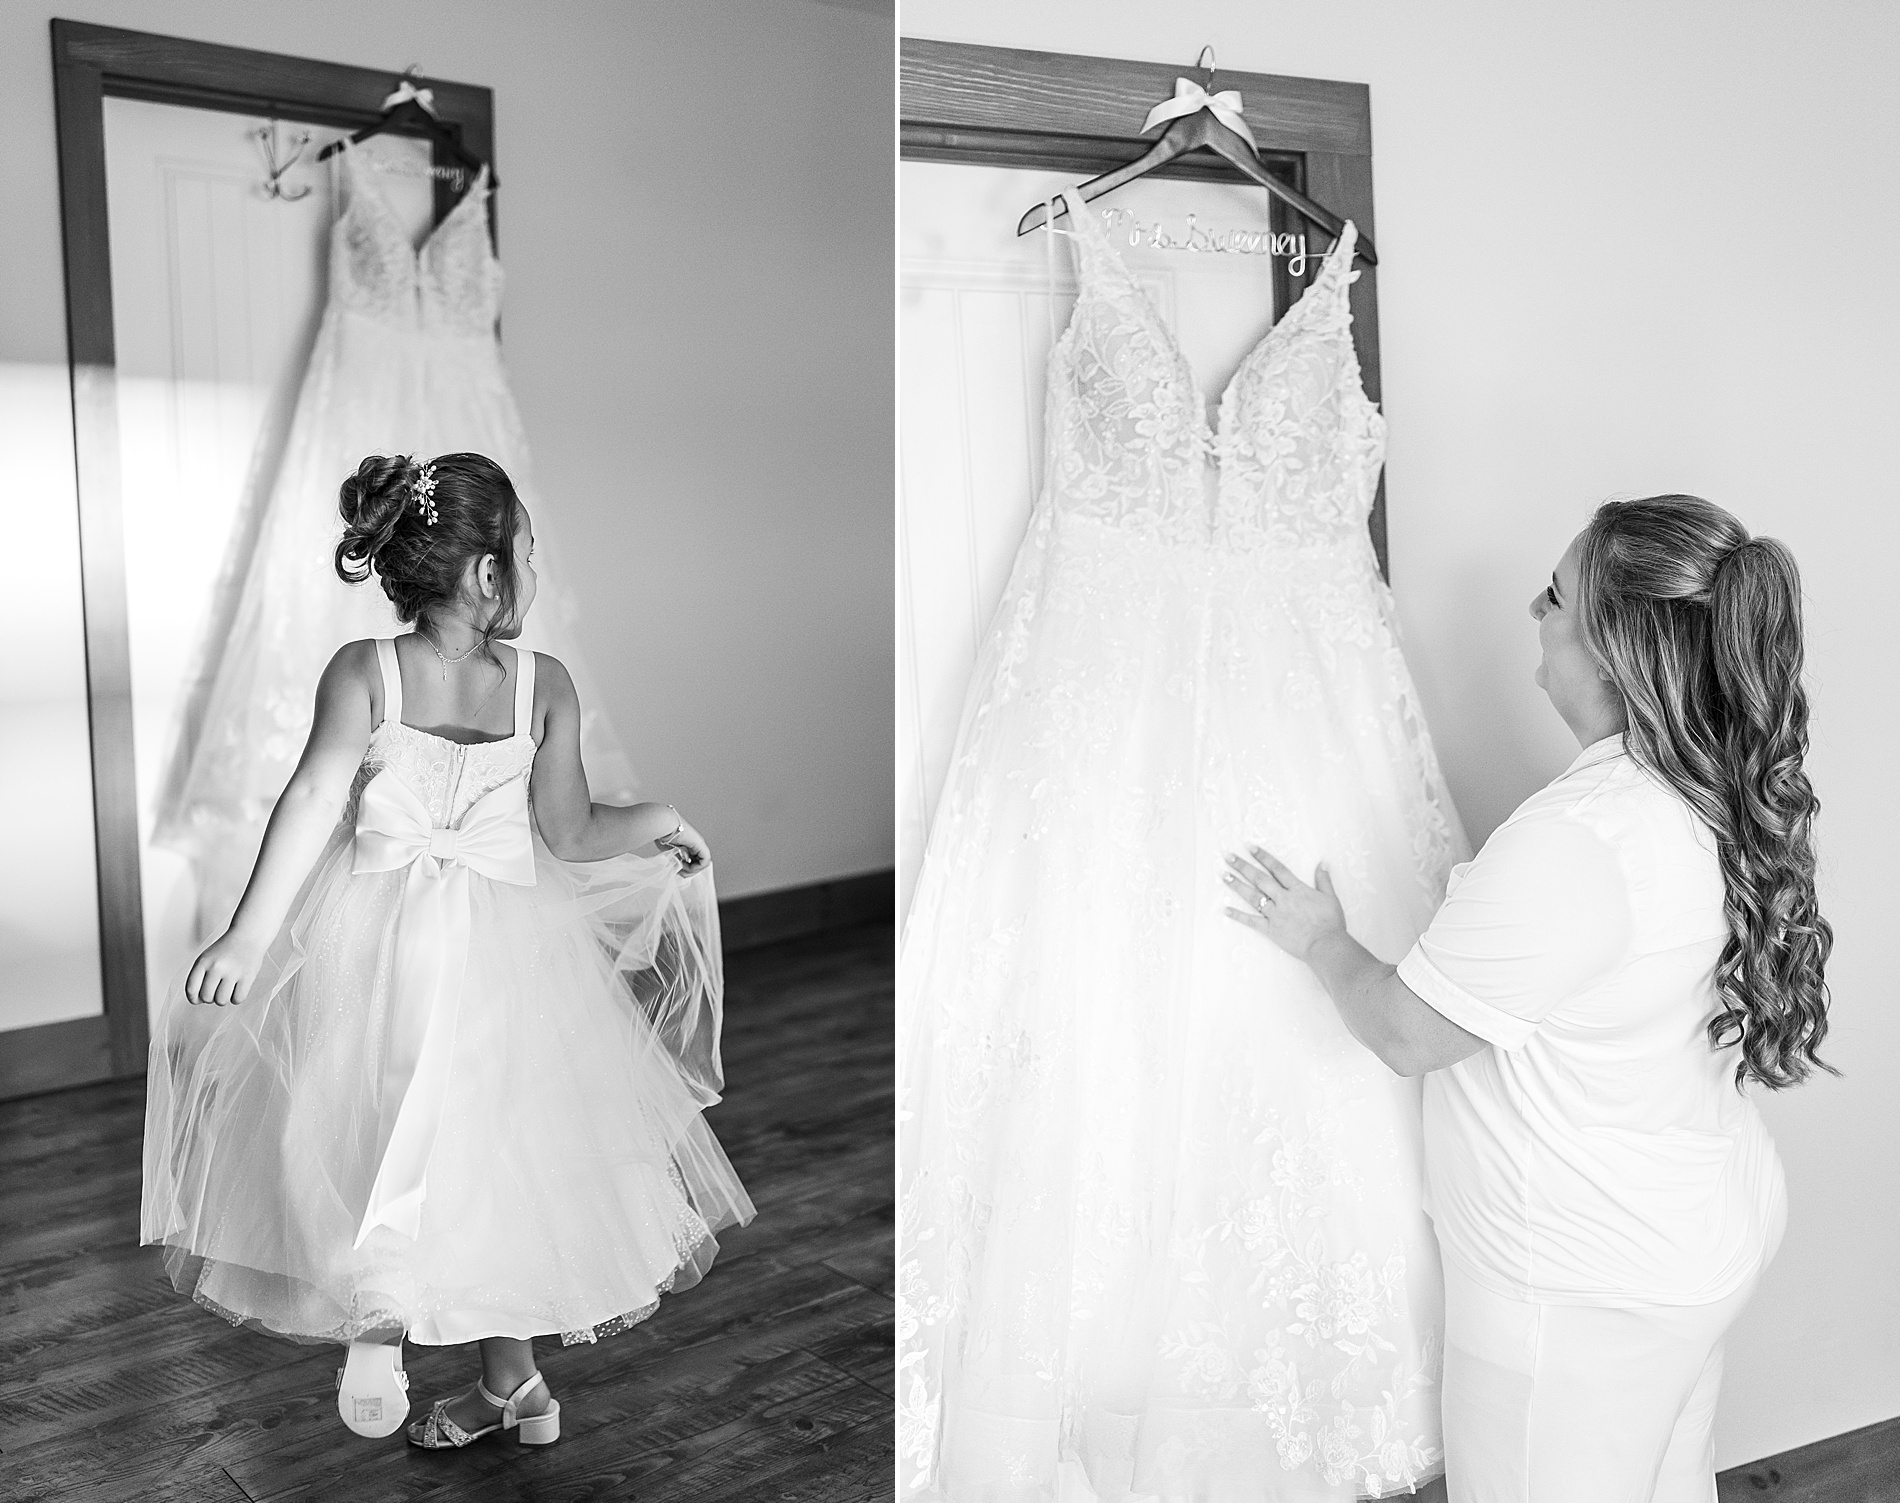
1598, 1152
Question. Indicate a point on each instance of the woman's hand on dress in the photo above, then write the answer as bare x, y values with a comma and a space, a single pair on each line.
690, 846
1279, 905
225, 971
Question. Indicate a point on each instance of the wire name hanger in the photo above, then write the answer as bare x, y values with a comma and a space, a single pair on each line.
408, 106
1196, 117
1195, 236
455, 175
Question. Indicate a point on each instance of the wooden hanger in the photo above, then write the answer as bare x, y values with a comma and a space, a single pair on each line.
1188, 133
412, 112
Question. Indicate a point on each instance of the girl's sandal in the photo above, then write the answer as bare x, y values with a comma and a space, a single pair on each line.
438, 1432
372, 1390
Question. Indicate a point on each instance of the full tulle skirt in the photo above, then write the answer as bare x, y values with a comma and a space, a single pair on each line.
1160, 1225
573, 1180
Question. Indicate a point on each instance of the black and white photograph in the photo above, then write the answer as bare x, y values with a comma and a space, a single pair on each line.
446, 919
949, 751
1393, 829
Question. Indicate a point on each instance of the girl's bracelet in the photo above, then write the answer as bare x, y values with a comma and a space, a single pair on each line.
665, 841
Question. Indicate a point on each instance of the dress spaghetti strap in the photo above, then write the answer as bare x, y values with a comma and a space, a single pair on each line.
524, 691
392, 678
1071, 200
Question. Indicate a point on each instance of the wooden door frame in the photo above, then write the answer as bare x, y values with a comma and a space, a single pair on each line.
1004, 107
91, 64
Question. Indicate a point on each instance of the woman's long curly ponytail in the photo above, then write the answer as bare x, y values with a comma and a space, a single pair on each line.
1699, 627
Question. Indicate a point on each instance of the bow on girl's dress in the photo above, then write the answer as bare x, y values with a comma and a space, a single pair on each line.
393, 830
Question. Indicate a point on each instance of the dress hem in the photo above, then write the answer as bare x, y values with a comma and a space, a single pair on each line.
355, 1330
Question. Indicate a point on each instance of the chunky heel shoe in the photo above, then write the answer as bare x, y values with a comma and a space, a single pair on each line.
372, 1390
438, 1432
531, 1429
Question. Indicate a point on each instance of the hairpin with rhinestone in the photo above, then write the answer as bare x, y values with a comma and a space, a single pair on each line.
422, 488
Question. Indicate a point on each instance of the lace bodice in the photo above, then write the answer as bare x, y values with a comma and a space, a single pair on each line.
1294, 458
451, 286
448, 776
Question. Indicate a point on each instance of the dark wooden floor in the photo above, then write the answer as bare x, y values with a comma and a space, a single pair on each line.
1862, 1466
770, 1382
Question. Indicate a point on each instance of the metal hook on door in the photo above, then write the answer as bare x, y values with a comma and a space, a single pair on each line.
268, 146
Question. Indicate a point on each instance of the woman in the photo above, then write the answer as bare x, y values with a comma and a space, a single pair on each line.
1637, 942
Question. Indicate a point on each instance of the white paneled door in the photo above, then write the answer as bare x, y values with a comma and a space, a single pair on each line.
217, 289
978, 310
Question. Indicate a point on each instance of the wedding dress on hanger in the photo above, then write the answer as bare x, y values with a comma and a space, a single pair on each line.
1160, 1226
406, 361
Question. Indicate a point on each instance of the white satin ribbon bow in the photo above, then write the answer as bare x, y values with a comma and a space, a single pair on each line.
407, 90
393, 830
1189, 97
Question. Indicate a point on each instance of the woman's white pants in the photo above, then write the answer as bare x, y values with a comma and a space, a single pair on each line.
1580, 1403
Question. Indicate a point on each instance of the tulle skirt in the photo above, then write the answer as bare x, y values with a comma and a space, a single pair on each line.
573, 1180
1160, 1225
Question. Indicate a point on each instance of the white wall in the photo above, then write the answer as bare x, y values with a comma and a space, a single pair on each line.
1631, 247
695, 218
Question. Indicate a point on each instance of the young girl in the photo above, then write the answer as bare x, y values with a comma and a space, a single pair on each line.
471, 1027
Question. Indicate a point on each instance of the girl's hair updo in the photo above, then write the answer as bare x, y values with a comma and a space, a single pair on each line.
420, 539
1699, 628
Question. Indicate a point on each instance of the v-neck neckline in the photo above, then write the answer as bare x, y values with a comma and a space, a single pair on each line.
1211, 430
362, 188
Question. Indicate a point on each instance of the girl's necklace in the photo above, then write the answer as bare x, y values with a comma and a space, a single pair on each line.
445, 661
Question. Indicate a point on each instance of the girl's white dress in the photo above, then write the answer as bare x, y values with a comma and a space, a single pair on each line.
1160, 1230
464, 1094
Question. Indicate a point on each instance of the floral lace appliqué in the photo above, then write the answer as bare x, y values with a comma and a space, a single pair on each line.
1159, 1214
